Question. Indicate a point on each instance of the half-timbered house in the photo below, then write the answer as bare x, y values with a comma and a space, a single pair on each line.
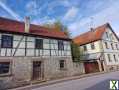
100, 48
32, 52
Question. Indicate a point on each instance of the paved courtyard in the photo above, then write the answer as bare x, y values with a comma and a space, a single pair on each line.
98, 82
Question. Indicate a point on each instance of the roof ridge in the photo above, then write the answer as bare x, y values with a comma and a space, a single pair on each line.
11, 25
91, 36
93, 28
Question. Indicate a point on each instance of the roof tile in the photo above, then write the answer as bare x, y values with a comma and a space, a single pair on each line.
93, 35
16, 26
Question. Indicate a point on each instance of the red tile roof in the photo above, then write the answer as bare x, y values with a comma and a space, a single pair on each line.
91, 36
9, 25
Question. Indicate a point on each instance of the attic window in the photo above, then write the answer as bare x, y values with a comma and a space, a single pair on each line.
107, 34
117, 46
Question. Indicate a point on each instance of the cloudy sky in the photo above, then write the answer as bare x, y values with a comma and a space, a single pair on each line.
78, 15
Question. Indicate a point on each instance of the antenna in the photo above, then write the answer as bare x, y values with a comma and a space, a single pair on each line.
91, 23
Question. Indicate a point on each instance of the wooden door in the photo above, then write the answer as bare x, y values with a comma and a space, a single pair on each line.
37, 70
91, 67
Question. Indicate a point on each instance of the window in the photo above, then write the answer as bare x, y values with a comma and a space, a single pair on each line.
112, 46
107, 34
39, 43
111, 37
115, 58
7, 41
117, 46
4, 67
60, 45
92, 46
106, 45
109, 57
85, 48
62, 64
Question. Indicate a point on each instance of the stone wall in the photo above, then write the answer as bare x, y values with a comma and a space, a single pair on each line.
78, 68
22, 69
52, 70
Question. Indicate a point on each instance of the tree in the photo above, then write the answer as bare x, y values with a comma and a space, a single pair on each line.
76, 52
58, 26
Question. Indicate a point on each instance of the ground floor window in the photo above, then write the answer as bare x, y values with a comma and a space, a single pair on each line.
62, 64
4, 67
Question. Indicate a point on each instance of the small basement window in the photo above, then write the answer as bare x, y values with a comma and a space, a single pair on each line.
7, 41
4, 67
62, 64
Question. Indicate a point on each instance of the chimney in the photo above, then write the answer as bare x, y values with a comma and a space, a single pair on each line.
27, 24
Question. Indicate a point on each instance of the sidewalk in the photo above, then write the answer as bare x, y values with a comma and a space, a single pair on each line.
46, 83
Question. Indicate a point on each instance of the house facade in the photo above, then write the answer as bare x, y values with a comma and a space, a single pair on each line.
100, 48
31, 52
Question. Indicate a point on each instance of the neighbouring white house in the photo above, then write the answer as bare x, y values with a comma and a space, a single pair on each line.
100, 47
32, 52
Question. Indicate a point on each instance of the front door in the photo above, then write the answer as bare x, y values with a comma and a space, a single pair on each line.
37, 72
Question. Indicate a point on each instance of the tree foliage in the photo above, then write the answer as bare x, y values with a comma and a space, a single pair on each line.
58, 26
76, 52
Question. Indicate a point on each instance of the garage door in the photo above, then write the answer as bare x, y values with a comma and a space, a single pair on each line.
91, 67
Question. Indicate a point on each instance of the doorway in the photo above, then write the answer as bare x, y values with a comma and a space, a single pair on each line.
37, 70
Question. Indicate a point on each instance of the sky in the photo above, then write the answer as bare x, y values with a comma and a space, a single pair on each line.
78, 15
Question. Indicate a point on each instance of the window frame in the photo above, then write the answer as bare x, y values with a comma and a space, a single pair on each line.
115, 58
10, 69
109, 58
112, 46
85, 48
38, 43
60, 64
107, 35
3, 40
60, 45
117, 47
106, 45
92, 46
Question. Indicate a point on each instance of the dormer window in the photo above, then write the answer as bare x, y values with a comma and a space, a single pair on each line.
7, 41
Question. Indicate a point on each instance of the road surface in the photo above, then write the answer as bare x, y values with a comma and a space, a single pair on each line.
98, 82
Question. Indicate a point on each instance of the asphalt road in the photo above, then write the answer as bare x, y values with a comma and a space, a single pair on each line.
98, 82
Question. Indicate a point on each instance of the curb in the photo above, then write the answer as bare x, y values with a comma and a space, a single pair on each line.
33, 86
